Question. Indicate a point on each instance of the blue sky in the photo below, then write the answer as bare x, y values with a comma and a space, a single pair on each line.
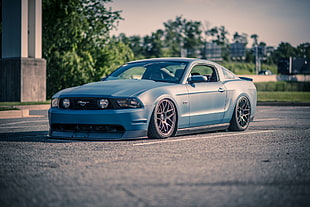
274, 21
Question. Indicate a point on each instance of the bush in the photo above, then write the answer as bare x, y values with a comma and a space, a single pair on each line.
283, 86
242, 68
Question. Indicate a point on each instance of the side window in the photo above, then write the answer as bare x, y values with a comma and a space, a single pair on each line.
228, 74
205, 70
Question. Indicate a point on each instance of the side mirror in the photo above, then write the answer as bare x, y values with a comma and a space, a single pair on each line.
197, 79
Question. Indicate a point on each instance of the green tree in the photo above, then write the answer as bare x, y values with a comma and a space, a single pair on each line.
303, 50
153, 45
113, 55
193, 38
135, 43
255, 39
75, 40
219, 35
213, 33
240, 38
174, 35
182, 34
284, 50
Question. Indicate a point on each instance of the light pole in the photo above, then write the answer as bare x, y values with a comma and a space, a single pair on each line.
257, 60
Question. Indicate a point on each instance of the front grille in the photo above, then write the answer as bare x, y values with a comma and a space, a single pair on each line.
88, 128
87, 103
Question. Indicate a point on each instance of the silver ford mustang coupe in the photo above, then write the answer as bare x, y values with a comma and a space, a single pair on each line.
155, 98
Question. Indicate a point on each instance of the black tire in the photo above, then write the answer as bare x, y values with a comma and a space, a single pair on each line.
242, 114
163, 120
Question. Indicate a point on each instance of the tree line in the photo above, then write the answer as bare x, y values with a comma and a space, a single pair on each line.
78, 46
192, 36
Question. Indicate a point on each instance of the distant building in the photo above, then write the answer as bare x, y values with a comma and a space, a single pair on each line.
213, 51
293, 65
269, 51
260, 50
237, 51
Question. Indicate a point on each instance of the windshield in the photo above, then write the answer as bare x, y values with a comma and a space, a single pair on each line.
166, 71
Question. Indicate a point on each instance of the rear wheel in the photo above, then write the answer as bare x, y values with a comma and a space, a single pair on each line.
163, 120
241, 116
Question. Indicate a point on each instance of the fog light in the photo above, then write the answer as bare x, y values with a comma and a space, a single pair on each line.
66, 103
103, 103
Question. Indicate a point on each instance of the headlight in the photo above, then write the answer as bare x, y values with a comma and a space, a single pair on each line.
103, 103
66, 103
129, 103
55, 103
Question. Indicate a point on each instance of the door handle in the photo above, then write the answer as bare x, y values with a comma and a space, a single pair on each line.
221, 90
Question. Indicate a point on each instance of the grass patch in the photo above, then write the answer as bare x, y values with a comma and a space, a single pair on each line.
283, 96
6, 108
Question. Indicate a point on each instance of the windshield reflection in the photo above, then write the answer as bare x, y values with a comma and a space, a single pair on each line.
164, 71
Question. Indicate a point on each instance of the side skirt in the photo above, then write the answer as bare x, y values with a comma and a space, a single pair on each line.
200, 129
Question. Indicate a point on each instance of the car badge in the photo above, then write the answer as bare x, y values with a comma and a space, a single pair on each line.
83, 103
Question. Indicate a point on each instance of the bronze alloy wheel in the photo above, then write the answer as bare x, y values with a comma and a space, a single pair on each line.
241, 116
163, 121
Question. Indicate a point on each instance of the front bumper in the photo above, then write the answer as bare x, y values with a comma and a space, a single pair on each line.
99, 124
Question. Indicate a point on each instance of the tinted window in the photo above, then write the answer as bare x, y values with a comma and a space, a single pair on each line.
205, 70
228, 74
157, 71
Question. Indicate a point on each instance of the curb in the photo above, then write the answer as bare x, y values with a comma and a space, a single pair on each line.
23, 111
34, 107
14, 114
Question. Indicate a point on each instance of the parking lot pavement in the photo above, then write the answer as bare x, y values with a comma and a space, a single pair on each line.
267, 165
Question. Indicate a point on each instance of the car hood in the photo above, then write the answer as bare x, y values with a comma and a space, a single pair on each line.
112, 88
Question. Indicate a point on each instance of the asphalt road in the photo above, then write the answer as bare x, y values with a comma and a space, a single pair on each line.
267, 165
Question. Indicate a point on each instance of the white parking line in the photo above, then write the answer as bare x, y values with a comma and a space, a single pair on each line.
269, 119
204, 137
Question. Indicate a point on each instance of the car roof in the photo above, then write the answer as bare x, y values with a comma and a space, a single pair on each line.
172, 59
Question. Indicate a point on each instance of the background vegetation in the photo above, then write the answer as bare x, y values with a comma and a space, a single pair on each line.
283, 86
284, 96
76, 42
79, 49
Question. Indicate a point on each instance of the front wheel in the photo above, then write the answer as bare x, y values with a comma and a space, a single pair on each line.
163, 120
241, 116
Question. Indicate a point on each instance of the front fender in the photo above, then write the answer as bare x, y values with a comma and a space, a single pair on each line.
177, 94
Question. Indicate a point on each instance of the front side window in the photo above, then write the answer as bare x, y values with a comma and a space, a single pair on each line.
205, 70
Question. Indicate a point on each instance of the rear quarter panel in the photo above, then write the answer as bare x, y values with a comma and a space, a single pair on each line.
235, 89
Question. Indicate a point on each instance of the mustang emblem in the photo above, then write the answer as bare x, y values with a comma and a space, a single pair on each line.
83, 103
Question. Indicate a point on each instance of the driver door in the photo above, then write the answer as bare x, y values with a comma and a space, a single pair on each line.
207, 97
